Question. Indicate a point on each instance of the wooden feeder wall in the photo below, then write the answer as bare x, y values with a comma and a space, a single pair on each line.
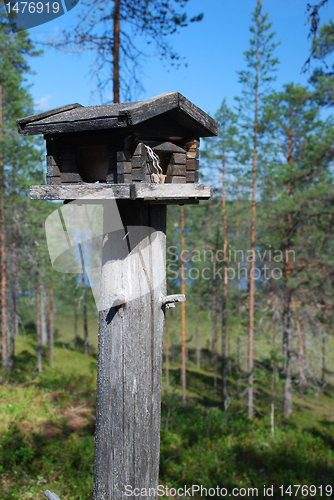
113, 159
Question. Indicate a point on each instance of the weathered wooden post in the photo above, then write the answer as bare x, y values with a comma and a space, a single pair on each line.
144, 155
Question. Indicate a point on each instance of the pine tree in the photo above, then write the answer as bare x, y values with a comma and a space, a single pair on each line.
323, 75
183, 310
219, 153
19, 158
110, 30
261, 65
299, 193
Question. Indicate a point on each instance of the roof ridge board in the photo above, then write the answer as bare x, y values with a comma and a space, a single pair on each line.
198, 115
144, 110
46, 114
67, 118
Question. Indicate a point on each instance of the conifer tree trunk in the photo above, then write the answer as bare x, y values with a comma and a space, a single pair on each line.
323, 355
51, 338
237, 239
84, 300
225, 282
198, 350
2, 252
75, 322
44, 329
167, 347
84, 303
183, 312
14, 292
214, 334
115, 50
252, 248
287, 301
38, 316
300, 353
274, 370
287, 394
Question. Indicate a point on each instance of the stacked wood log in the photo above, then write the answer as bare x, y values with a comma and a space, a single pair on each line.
192, 162
99, 158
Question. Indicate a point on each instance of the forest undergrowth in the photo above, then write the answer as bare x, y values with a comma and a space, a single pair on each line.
47, 429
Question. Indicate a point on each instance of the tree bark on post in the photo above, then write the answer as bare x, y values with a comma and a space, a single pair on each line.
128, 410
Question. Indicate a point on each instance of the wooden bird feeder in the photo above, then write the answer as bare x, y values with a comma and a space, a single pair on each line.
145, 156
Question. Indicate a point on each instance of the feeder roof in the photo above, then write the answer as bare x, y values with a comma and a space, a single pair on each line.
170, 110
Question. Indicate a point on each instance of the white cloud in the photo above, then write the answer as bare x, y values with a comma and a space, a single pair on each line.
43, 103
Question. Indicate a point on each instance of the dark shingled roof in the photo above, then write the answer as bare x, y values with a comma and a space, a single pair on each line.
77, 118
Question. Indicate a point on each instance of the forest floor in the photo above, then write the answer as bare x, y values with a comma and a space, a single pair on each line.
47, 428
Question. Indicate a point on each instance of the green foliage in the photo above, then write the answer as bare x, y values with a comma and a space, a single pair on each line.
46, 441
323, 78
197, 449
221, 151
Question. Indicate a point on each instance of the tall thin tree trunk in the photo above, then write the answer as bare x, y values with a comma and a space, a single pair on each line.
252, 248
167, 348
84, 301
38, 315
323, 355
183, 312
115, 50
287, 394
14, 290
44, 328
198, 350
273, 320
2, 253
225, 282
237, 239
51, 338
274, 371
300, 353
214, 335
76, 338
83, 286
287, 298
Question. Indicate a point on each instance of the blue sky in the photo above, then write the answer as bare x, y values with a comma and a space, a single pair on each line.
213, 49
